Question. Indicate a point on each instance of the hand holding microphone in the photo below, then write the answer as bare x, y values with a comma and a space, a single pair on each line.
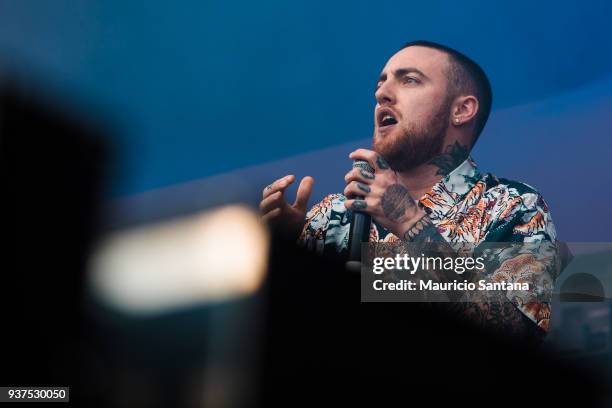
360, 226
380, 194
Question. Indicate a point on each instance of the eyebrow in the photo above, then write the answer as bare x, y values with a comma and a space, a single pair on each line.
403, 71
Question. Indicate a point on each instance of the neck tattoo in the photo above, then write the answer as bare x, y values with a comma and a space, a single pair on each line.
453, 156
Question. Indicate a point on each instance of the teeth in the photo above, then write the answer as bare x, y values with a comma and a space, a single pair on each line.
387, 119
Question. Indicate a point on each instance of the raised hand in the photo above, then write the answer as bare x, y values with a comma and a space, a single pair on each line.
288, 218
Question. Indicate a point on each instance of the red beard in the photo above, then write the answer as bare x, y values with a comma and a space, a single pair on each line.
415, 145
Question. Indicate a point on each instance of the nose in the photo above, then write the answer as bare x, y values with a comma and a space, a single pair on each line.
384, 94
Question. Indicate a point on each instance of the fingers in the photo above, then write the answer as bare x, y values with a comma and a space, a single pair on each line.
278, 185
356, 189
272, 214
361, 175
303, 193
376, 160
271, 202
358, 205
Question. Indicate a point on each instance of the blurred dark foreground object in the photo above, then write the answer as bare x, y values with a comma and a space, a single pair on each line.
323, 345
51, 171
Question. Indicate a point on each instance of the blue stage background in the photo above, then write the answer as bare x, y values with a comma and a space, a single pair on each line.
199, 92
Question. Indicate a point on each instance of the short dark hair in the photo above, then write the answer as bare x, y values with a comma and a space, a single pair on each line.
465, 77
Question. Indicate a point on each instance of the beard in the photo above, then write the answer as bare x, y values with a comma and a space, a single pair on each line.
417, 143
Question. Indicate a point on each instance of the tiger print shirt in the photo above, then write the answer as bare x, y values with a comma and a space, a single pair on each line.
466, 206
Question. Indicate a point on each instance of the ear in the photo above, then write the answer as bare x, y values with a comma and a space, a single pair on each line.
464, 110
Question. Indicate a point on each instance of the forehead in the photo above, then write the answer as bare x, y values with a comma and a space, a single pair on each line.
430, 61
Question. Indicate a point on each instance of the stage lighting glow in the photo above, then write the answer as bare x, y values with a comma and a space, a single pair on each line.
210, 257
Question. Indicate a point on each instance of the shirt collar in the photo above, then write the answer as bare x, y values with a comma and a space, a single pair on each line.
449, 191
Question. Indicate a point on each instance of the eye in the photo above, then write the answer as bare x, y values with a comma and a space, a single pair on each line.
410, 80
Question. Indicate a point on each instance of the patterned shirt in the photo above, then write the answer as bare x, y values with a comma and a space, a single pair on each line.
466, 206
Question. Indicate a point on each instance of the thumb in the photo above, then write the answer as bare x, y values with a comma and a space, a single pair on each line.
303, 193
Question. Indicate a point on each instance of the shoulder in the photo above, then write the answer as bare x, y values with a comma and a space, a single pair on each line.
521, 206
530, 198
494, 184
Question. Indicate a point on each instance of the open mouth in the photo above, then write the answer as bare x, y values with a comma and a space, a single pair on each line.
386, 118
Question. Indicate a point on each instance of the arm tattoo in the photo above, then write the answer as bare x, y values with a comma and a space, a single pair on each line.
494, 312
395, 201
453, 156
421, 229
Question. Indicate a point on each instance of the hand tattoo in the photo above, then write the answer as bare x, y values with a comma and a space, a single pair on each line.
367, 174
364, 187
381, 163
359, 205
395, 201
453, 156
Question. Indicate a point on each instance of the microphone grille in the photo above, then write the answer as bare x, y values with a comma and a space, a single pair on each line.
362, 164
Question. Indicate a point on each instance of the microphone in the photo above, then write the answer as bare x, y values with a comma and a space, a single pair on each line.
360, 228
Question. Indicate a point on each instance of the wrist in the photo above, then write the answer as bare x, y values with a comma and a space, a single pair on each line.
414, 226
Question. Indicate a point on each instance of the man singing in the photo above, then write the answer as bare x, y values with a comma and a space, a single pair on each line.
432, 104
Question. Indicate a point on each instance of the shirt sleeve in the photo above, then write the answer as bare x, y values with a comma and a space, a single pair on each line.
326, 227
532, 256
315, 227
